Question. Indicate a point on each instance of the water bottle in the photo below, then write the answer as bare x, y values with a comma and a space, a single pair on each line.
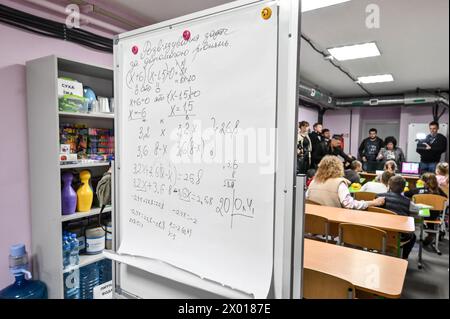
23, 287
66, 252
74, 254
72, 284
89, 278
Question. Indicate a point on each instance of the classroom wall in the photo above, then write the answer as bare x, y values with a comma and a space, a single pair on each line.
17, 47
308, 114
338, 121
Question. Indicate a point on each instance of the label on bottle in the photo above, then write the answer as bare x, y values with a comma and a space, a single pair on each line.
81, 242
72, 279
95, 245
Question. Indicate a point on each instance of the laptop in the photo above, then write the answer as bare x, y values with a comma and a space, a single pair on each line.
410, 168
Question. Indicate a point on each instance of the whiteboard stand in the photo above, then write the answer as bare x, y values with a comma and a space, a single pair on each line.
165, 281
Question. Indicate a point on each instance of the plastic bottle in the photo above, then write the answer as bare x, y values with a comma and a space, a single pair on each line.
66, 252
23, 287
74, 250
89, 278
72, 284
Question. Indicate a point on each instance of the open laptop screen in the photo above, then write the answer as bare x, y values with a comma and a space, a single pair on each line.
410, 168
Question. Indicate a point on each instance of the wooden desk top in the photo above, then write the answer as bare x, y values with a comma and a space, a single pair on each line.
373, 175
396, 223
378, 274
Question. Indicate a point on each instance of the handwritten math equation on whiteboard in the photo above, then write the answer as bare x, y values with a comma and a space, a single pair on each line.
197, 141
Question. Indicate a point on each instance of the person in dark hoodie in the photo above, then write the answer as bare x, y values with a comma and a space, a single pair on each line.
431, 149
398, 203
369, 149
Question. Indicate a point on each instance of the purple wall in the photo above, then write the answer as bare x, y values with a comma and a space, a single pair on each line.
307, 114
338, 121
17, 47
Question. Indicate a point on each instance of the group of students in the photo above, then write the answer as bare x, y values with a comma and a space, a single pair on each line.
313, 146
329, 186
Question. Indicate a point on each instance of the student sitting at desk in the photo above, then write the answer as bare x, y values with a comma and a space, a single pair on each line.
390, 166
430, 186
442, 174
329, 188
378, 187
400, 204
352, 174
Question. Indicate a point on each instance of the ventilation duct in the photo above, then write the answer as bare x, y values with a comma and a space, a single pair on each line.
316, 97
406, 99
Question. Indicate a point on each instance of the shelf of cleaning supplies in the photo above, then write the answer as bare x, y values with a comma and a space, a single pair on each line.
84, 261
93, 212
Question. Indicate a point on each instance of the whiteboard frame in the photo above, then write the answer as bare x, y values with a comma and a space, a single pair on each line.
285, 223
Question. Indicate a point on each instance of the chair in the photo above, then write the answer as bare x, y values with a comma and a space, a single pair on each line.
368, 196
439, 204
444, 189
363, 236
316, 225
381, 210
308, 201
318, 285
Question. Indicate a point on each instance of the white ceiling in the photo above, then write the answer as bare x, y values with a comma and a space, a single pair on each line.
413, 38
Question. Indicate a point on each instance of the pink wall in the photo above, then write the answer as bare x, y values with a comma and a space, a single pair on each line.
17, 47
307, 114
338, 121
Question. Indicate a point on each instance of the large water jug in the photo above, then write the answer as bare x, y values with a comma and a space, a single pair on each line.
23, 287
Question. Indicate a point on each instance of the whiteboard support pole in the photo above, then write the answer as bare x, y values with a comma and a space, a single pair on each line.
287, 115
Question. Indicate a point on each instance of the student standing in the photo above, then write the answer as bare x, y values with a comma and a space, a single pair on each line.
332, 147
304, 148
316, 135
369, 149
431, 148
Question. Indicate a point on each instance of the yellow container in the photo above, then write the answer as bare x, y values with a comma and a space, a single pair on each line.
85, 195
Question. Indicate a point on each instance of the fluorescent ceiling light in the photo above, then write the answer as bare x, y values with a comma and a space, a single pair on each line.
376, 78
308, 5
356, 51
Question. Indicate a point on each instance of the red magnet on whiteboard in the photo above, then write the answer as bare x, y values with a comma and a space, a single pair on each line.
186, 35
135, 50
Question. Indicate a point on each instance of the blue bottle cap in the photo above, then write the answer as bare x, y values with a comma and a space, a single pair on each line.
17, 250
73, 235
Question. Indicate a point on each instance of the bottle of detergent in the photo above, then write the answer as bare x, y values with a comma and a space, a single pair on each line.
84, 193
23, 287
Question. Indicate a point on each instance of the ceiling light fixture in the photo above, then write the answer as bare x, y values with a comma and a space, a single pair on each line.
375, 78
356, 51
309, 5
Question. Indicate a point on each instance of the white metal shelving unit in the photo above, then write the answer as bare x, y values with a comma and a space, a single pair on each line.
44, 119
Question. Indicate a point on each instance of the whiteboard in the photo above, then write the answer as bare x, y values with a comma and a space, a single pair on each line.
417, 130
196, 154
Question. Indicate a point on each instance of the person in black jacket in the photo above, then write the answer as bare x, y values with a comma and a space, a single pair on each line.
400, 204
431, 149
332, 147
369, 149
316, 135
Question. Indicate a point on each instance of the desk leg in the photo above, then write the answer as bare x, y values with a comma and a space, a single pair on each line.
419, 264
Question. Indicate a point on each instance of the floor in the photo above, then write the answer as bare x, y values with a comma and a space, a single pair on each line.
432, 281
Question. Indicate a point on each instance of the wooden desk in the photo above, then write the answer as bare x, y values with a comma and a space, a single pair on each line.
411, 179
393, 223
374, 273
